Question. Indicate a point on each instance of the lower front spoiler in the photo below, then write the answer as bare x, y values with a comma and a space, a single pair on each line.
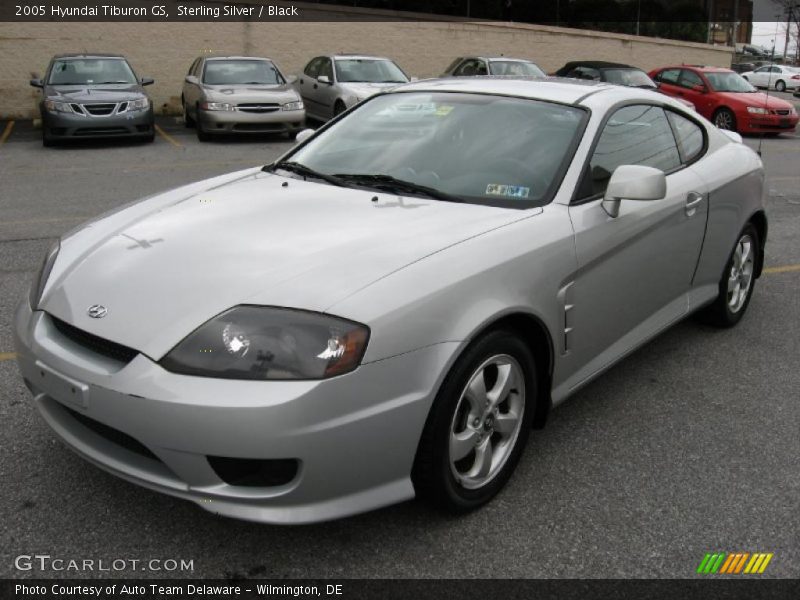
72, 127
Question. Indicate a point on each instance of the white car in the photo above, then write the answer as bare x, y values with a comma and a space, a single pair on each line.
778, 77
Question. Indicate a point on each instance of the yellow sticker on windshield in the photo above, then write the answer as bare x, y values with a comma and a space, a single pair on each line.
443, 110
507, 191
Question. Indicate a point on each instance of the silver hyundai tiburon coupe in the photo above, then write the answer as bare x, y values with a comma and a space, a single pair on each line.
391, 307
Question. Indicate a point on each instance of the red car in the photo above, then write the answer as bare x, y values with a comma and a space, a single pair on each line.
726, 99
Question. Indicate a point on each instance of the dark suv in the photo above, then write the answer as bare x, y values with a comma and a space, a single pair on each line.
92, 96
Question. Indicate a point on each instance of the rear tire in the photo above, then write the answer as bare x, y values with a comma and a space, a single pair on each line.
725, 119
737, 282
478, 425
780, 86
188, 121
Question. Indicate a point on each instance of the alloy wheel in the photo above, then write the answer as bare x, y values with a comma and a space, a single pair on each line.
740, 277
724, 120
487, 421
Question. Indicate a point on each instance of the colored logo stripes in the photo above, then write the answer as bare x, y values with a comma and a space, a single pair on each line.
734, 563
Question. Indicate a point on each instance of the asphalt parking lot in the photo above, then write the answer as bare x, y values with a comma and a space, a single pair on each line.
688, 446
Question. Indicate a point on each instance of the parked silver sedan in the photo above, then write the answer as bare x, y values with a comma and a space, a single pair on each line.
506, 66
390, 308
239, 94
329, 85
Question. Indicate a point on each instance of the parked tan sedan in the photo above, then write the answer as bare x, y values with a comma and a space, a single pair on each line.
240, 94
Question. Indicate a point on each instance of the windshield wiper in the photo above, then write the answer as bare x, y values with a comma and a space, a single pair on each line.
392, 184
303, 170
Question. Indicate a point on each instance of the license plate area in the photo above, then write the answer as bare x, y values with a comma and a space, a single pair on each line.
60, 387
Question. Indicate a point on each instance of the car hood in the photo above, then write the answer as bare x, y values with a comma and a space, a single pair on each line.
755, 99
99, 93
365, 90
251, 93
165, 268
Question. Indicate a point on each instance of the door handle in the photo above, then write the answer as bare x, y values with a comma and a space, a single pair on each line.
693, 200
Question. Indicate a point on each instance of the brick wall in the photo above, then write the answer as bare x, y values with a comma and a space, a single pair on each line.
423, 48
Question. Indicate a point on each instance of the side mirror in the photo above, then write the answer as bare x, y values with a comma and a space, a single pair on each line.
37, 83
191, 79
324, 79
147, 81
304, 135
291, 79
633, 182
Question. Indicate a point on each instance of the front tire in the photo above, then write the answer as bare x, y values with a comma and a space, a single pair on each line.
725, 119
780, 86
188, 121
478, 425
338, 108
737, 282
202, 135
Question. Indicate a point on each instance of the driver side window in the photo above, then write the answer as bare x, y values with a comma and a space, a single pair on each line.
634, 135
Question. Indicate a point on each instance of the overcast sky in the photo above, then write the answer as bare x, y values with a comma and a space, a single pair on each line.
764, 33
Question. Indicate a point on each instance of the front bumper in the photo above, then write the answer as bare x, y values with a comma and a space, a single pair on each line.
354, 436
237, 121
769, 123
67, 125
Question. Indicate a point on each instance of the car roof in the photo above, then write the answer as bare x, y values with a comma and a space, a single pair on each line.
701, 68
87, 55
226, 57
491, 57
553, 89
597, 64
357, 56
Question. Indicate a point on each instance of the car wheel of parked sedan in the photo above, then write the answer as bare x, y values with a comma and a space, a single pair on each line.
780, 86
338, 108
725, 119
47, 141
478, 425
202, 134
188, 122
738, 281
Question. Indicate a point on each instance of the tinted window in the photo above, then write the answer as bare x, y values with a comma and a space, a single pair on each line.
634, 135
690, 79
471, 67
689, 135
585, 73
368, 70
312, 68
669, 76
326, 68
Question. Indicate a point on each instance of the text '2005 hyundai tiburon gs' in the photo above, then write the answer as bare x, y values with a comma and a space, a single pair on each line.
391, 307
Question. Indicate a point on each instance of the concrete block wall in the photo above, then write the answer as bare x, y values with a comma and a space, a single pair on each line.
423, 48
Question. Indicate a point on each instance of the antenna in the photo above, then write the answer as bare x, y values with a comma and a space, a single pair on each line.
769, 81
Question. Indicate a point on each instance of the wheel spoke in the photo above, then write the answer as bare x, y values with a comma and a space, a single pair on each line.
746, 251
462, 443
504, 423
732, 281
505, 382
476, 393
483, 459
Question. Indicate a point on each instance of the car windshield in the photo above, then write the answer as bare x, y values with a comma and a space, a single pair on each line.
518, 68
728, 81
240, 72
629, 77
369, 70
91, 71
482, 149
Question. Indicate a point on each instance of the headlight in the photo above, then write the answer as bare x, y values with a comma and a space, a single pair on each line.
216, 106
293, 106
262, 343
140, 104
757, 110
54, 106
37, 287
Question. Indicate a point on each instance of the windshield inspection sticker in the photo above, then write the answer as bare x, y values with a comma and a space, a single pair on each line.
508, 191
443, 110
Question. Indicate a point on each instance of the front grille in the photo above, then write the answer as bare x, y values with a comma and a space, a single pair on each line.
254, 472
99, 110
112, 435
76, 108
94, 343
264, 127
123, 106
256, 107
101, 131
